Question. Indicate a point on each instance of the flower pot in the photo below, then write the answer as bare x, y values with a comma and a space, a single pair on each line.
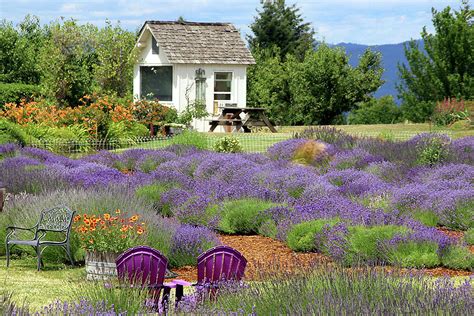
101, 265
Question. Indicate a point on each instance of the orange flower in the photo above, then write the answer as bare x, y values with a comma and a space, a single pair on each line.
134, 218
77, 218
87, 221
91, 241
107, 216
124, 228
123, 236
83, 229
140, 231
117, 211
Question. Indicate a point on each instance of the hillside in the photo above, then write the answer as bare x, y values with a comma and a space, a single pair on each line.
392, 54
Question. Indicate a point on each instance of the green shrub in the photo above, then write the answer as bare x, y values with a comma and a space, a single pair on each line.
60, 139
228, 144
432, 152
123, 134
14, 92
12, 133
302, 237
190, 138
417, 111
268, 229
458, 257
243, 216
427, 218
415, 255
364, 243
152, 194
376, 111
462, 217
469, 236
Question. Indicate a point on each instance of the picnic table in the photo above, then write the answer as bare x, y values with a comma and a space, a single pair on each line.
230, 116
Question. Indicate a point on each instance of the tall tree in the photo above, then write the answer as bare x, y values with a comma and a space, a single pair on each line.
67, 60
324, 85
19, 48
444, 68
281, 26
115, 57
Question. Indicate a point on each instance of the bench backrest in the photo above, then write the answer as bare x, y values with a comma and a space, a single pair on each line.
56, 219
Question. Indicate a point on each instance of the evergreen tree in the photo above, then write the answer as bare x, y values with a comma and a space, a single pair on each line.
281, 26
444, 69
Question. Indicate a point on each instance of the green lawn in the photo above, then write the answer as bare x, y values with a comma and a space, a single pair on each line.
37, 289
259, 142
399, 131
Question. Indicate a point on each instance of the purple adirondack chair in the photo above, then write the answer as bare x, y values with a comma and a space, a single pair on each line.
146, 267
221, 263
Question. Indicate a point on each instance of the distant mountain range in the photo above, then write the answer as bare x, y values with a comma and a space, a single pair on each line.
392, 54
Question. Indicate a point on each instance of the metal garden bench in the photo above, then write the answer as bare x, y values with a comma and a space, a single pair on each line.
57, 220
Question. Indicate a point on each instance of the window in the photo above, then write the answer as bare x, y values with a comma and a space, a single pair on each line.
157, 83
155, 50
222, 85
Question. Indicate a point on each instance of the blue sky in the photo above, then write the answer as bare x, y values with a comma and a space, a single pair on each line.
356, 21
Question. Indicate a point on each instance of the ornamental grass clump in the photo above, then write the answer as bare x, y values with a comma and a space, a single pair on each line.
110, 232
309, 153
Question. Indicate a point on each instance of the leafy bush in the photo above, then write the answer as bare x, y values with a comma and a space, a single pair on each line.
60, 139
364, 243
427, 218
376, 111
458, 257
449, 111
302, 237
12, 133
417, 111
152, 194
123, 134
460, 217
228, 144
243, 216
415, 255
14, 92
190, 138
469, 236
432, 149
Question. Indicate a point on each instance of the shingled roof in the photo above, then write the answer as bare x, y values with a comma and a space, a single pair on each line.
200, 43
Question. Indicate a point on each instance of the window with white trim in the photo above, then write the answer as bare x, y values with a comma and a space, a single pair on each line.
222, 86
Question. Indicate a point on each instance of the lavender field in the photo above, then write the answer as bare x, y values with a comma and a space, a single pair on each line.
360, 201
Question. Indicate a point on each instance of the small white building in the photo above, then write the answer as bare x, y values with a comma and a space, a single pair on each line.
181, 62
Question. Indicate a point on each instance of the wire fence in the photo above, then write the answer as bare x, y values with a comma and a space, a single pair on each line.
250, 142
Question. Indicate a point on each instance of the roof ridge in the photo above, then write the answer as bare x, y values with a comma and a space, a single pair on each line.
189, 23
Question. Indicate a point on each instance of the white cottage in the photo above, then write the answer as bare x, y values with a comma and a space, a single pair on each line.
181, 62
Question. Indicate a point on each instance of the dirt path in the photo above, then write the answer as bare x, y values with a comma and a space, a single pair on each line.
268, 255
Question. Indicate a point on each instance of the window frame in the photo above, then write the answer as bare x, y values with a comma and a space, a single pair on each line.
230, 93
172, 80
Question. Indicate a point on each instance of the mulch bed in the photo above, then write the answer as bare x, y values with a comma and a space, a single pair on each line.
267, 256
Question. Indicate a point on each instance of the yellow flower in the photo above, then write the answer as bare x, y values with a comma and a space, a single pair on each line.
117, 211
107, 216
